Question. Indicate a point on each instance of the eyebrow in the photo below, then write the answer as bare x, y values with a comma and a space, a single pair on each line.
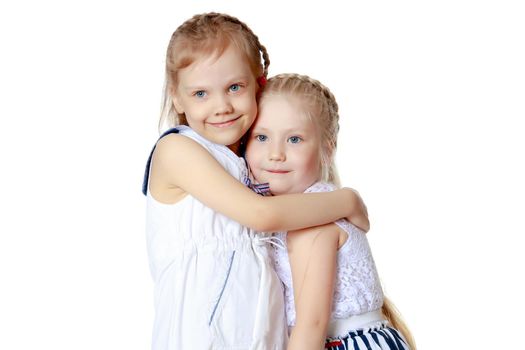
238, 78
290, 130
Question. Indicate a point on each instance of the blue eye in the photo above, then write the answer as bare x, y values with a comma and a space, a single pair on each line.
200, 94
261, 138
235, 88
295, 139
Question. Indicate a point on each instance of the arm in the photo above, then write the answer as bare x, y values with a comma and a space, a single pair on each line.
181, 163
360, 216
312, 254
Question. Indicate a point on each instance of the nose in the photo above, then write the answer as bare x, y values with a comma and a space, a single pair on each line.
277, 152
223, 105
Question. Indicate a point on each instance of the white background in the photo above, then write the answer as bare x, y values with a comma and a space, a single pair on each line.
431, 98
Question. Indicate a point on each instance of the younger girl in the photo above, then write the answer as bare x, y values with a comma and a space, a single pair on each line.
214, 285
332, 288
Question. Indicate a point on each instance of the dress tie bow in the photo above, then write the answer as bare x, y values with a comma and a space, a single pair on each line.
262, 189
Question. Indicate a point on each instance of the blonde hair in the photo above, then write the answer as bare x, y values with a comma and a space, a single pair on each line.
208, 34
320, 106
395, 319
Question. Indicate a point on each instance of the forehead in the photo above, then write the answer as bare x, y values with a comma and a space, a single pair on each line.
230, 61
283, 111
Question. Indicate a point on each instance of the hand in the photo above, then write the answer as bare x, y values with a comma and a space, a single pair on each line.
359, 214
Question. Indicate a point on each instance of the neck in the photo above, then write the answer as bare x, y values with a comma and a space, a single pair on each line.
235, 147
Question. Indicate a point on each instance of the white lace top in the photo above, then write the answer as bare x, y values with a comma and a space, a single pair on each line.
357, 288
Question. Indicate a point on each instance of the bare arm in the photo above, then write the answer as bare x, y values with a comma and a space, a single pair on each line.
312, 254
180, 163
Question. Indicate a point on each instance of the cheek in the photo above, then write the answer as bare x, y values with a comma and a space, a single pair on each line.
253, 113
249, 105
311, 165
193, 111
252, 154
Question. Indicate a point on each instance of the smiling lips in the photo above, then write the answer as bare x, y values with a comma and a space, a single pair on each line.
224, 124
278, 171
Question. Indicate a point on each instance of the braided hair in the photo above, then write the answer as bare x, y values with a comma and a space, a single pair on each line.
320, 107
207, 34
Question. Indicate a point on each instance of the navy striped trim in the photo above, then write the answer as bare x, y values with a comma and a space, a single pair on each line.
148, 164
376, 339
356, 346
397, 338
392, 340
365, 341
223, 287
388, 339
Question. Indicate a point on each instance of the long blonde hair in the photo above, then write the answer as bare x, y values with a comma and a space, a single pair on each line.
395, 319
320, 106
208, 34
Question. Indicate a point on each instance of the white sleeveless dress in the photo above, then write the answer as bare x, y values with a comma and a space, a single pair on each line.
357, 287
215, 287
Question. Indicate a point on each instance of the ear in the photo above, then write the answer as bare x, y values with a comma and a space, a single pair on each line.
176, 100
177, 104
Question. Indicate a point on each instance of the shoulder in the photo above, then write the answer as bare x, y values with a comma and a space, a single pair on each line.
175, 139
177, 146
174, 158
321, 187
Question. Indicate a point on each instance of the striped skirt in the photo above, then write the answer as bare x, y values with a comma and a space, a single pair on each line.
377, 337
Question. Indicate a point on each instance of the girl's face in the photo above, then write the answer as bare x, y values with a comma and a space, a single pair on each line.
218, 97
284, 146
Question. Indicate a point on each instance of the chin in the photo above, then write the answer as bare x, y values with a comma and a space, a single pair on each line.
225, 139
279, 190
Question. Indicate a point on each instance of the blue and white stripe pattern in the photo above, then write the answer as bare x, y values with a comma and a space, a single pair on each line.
262, 189
378, 337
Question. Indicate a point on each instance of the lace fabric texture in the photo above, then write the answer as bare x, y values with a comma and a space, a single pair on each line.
357, 288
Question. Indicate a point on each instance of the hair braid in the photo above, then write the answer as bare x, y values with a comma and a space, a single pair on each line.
262, 49
321, 106
215, 19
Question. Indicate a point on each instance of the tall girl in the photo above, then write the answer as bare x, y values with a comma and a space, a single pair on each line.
332, 291
214, 284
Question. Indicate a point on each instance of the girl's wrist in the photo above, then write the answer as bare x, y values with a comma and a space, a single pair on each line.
349, 200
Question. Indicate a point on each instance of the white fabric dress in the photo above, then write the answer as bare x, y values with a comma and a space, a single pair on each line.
357, 289
215, 287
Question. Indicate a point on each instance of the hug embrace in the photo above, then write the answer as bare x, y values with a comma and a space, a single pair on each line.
252, 243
